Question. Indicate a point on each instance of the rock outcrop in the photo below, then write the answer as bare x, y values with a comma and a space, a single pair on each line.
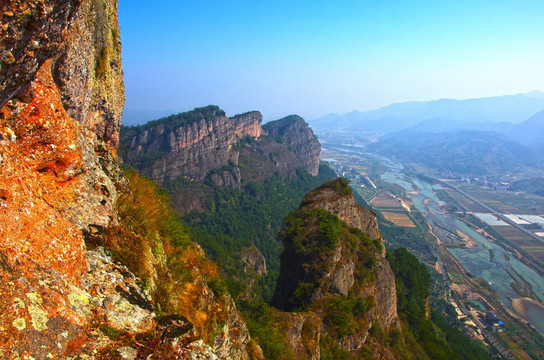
58, 179
345, 207
189, 144
294, 132
89, 71
205, 144
334, 260
303, 331
255, 259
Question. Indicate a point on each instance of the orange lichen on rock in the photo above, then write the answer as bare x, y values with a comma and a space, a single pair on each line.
40, 159
41, 250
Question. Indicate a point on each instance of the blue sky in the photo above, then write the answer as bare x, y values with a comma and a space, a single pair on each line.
316, 57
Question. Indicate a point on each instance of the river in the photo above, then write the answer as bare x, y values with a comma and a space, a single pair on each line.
484, 259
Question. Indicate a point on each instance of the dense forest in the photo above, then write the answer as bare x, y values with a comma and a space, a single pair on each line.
234, 219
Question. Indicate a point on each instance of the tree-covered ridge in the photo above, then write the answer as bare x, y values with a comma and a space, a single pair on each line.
176, 120
233, 219
311, 236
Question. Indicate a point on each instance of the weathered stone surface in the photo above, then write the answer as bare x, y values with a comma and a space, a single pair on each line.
342, 278
127, 353
205, 144
89, 71
112, 292
294, 132
31, 33
386, 294
303, 332
254, 258
81, 37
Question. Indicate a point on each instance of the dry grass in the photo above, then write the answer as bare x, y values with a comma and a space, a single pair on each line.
152, 242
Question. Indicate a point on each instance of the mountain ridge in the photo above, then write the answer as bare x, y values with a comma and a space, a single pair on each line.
510, 108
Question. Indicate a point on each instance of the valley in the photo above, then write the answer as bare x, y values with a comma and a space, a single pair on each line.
482, 244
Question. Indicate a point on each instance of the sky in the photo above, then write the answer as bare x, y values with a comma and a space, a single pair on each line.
317, 57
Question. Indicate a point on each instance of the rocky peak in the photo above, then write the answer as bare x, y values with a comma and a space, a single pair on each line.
334, 257
337, 198
299, 137
255, 259
206, 144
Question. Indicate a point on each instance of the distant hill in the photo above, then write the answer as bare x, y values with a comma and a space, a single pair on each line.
535, 186
395, 117
530, 132
476, 152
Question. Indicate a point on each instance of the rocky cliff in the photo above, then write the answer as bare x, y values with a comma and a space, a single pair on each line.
189, 144
204, 143
61, 97
334, 263
299, 138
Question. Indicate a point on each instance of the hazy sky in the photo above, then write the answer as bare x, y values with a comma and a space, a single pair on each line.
316, 57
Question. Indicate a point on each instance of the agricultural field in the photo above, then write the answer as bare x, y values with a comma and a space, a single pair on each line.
348, 159
468, 204
399, 219
384, 201
365, 192
505, 201
523, 241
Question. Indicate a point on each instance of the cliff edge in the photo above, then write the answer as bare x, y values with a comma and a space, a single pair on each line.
62, 200
206, 144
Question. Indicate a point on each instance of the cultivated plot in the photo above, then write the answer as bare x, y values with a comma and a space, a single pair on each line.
399, 219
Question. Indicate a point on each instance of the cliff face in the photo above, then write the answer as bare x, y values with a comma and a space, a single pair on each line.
81, 37
334, 260
205, 143
61, 97
89, 71
294, 132
57, 181
190, 144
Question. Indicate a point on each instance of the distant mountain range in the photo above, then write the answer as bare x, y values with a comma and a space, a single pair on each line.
465, 152
508, 108
481, 136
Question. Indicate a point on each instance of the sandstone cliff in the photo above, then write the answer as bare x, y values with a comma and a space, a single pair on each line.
334, 262
204, 143
61, 97
299, 138
189, 144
